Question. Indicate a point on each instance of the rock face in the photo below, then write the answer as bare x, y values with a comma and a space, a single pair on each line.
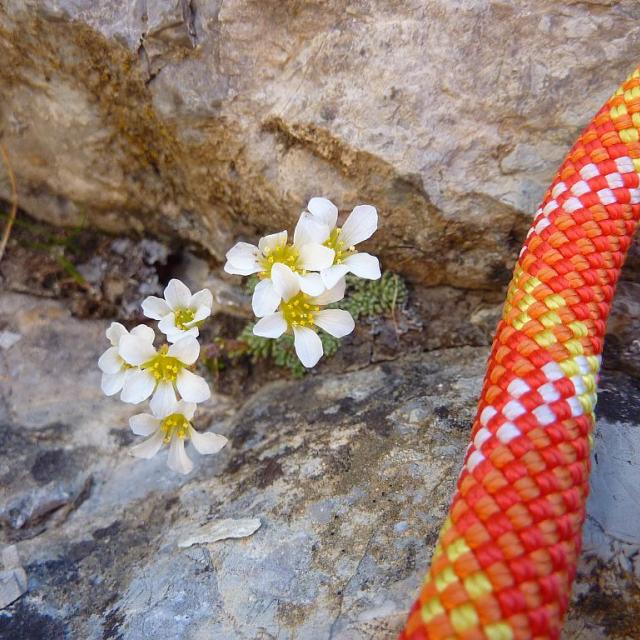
211, 120
350, 476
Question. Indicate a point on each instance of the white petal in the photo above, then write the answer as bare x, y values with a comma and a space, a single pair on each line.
265, 300
164, 400
135, 349
177, 294
192, 388
206, 443
364, 265
315, 257
144, 424
311, 284
145, 332
272, 241
115, 332
111, 383
242, 271
110, 361
360, 225
335, 294
138, 386
324, 210
310, 229
186, 350
271, 326
149, 447
242, 259
285, 282
202, 312
337, 322
168, 323
187, 409
178, 459
154, 307
202, 298
332, 275
178, 334
168, 326
308, 346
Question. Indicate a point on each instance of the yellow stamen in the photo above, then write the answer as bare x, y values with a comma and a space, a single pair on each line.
162, 367
174, 424
183, 317
299, 311
283, 253
335, 242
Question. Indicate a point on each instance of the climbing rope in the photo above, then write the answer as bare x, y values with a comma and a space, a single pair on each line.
507, 552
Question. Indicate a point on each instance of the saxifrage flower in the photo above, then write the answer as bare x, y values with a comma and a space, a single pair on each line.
172, 427
161, 372
180, 313
300, 313
358, 227
304, 256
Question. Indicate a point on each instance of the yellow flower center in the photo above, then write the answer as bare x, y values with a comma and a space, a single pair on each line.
283, 253
183, 317
174, 424
298, 311
162, 367
335, 242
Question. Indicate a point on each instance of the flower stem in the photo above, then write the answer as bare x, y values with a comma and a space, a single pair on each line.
14, 201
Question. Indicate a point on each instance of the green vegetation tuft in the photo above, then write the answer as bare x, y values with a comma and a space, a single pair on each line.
373, 298
281, 352
364, 299
61, 245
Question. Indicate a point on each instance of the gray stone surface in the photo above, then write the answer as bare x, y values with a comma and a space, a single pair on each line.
207, 120
13, 578
350, 475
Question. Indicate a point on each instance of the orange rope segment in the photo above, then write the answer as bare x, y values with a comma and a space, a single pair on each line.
507, 553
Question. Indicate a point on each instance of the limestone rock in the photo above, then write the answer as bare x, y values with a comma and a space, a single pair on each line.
349, 474
13, 579
211, 120
217, 530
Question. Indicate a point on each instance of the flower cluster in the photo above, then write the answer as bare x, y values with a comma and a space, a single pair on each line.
136, 369
298, 279
299, 284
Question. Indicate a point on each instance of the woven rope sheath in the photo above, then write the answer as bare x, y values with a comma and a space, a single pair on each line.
507, 552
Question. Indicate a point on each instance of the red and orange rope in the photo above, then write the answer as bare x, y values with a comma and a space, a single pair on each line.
507, 553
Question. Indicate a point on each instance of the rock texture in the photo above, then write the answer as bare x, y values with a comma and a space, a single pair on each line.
209, 120
350, 476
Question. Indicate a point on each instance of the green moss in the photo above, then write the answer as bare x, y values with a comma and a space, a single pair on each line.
373, 298
364, 299
64, 246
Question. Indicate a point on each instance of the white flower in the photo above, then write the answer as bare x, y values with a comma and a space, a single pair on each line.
172, 427
180, 313
300, 312
161, 372
359, 226
307, 253
114, 369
